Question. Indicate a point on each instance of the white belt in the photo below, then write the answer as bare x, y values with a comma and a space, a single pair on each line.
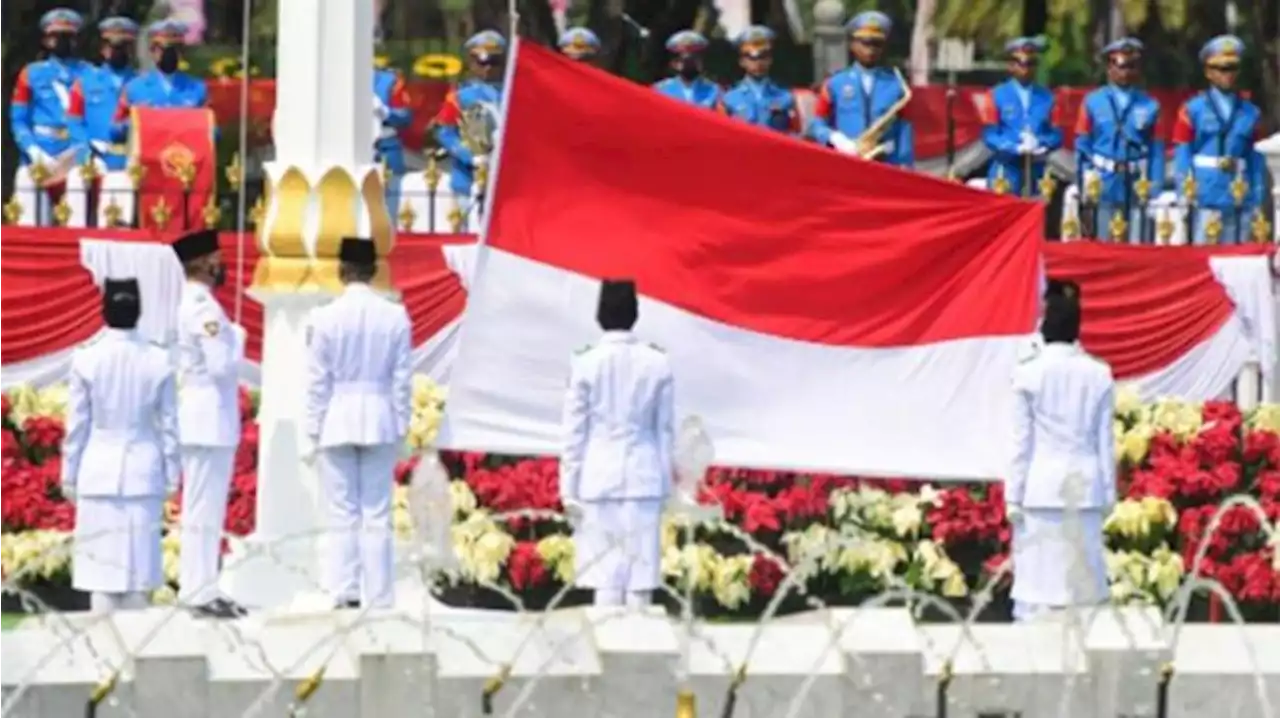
107, 148
369, 386
1106, 164
388, 133
59, 133
119, 436
1213, 162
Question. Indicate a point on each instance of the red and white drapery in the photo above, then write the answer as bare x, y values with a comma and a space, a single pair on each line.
1179, 321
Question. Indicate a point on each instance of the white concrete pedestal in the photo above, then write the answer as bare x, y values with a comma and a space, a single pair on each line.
1270, 149
278, 566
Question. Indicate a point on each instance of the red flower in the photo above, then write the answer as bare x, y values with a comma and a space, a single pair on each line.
247, 410
525, 569
532, 484
43, 433
760, 514
765, 576
1262, 447
10, 447
404, 469
1217, 443
1222, 413
6, 408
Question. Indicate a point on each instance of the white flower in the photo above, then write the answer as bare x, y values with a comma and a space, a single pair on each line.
557, 552
464, 501
730, 583
481, 547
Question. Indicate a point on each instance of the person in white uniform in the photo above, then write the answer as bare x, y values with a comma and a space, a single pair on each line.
1062, 479
358, 411
618, 459
119, 456
210, 349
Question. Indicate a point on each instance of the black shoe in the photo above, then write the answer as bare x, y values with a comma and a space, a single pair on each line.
220, 608
352, 603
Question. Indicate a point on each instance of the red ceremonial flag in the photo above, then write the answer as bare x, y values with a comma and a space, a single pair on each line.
175, 148
821, 312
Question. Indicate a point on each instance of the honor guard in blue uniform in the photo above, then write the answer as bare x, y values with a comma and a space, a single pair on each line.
358, 410
95, 98
164, 85
618, 461
1020, 123
853, 101
210, 351
1116, 143
579, 43
1214, 136
689, 85
38, 111
757, 99
120, 456
391, 115
486, 51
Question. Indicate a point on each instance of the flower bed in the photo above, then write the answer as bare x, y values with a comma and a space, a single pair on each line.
837, 540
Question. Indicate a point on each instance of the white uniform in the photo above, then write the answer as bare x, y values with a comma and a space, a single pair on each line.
1063, 477
210, 349
358, 410
618, 462
120, 459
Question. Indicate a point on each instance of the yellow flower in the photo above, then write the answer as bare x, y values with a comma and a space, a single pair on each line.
695, 563
1129, 519
730, 583
1159, 511
24, 403
557, 552
437, 66
401, 519
1133, 444
1164, 574
170, 551
32, 555
1128, 403
876, 557
481, 547
164, 596
428, 410
464, 502
1180, 418
1266, 417
907, 520
53, 400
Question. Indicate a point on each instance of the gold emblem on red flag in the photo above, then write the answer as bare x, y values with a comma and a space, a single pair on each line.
177, 160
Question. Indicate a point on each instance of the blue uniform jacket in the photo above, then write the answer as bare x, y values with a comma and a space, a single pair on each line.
1004, 123
845, 106
388, 87
762, 102
701, 92
94, 102
154, 89
1203, 135
1111, 132
462, 99
41, 99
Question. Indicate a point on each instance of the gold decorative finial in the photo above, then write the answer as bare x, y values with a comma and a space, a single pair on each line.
406, 216
482, 176
104, 689
686, 705
1189, 190
491, 688
61, 212
1071, 227
1142, 187
212, 213
456, 220
137, 172
386, 170
161, 214
39, 173
1093, 188
1164, 228
1213, 228
432, 171
1239, 189
258, 212
234, 172
1047, 185
89, 171
1001, 185
12, 210
1260, 228
113, 212
1118, 227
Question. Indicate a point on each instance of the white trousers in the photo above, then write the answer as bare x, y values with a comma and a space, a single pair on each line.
355, 484
206, 479
105, 602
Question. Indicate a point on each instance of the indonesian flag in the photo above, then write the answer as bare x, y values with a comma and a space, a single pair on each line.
821, 313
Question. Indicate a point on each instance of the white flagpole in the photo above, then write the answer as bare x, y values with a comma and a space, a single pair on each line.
243, 141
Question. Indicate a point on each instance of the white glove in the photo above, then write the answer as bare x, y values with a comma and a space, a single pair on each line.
1014, 513
380, 110
307, 451
573, 511
842, 144
478, 161
40, 157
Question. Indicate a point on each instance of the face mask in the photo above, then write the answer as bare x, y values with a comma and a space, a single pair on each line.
220, 275
119, 55
689, 68
63, 45
169, 59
